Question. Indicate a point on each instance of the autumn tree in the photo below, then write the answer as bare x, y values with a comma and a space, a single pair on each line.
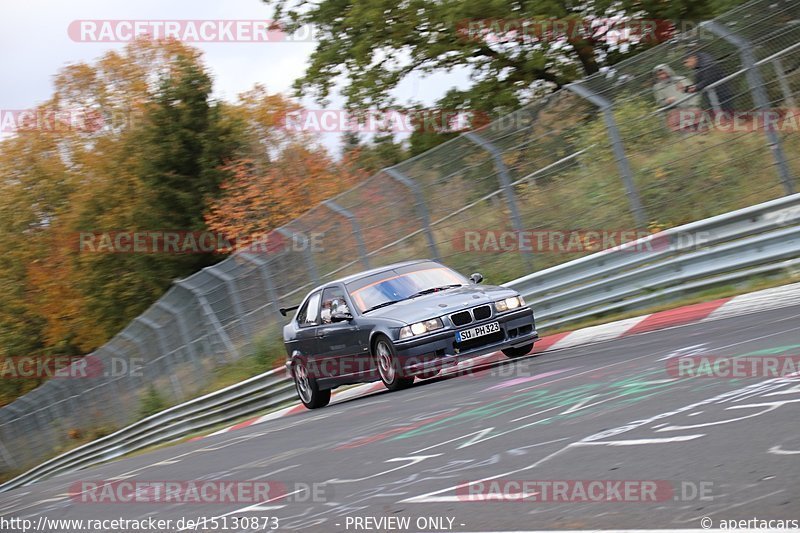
284, 173
151, 156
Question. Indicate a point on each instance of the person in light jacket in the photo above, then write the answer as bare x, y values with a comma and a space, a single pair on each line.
670, 90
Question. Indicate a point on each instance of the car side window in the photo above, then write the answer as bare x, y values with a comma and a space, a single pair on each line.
309, 312
333, 302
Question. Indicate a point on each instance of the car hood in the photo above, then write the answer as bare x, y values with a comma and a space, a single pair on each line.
442, 303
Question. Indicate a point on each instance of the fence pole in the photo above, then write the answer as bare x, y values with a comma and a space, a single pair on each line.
505, 183
419, 204
788, 97
635, 201
756, 84
362, 248
266, 275
162, 344
183, 328
307, 253
14, 419
128, 381
211, 317
233, 294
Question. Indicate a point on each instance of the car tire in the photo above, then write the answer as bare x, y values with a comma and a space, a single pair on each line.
388, 366
518, 352
307, 389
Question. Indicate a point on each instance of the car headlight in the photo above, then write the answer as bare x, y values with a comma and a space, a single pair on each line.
509, 303
420, 328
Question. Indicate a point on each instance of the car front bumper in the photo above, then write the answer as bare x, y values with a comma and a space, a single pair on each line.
440, 350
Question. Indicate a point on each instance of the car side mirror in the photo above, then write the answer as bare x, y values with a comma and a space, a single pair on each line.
476, 278
341, 317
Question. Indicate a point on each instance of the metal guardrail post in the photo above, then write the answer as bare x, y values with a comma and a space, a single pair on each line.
422, 209
211, 317
14, 415
233, 294
756, 83
266, 275
162, 344
788, 97
362, 248
128, 379
714, 99
8, 459
183, 328
635, 201
307, 253
59, 388
505, 183
134, 340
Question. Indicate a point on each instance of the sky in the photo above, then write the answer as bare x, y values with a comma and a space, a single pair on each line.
35, 44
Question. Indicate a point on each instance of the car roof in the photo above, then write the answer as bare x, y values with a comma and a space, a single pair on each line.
354, 277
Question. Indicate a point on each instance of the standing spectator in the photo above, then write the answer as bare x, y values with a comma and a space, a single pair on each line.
706, 72
670, 89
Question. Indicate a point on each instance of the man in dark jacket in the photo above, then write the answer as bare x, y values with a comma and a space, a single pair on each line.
706, 72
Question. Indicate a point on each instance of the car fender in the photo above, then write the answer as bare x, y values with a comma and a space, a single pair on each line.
380, 330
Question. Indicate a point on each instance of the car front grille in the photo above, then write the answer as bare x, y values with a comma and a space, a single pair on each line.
462, 318
482, 313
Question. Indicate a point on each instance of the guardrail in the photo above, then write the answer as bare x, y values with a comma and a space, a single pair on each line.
758, 239
255, 394
735, 245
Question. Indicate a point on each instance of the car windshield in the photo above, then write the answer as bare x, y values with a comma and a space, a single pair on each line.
394, 287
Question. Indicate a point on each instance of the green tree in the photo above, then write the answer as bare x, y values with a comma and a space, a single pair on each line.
180, 150
372, 45
370, 156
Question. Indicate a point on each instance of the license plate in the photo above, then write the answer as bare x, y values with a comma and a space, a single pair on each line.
477, 331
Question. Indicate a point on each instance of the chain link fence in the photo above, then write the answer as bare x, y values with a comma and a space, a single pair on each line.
597, 154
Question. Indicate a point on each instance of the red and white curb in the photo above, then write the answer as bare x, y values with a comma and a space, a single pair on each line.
774, 298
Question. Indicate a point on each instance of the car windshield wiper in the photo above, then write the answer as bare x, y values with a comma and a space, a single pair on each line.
420, 293
434, 289
382, 304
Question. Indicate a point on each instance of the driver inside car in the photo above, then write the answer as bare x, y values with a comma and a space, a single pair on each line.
339, 306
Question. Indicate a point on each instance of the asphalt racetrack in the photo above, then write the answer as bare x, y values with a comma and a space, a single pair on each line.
486, 450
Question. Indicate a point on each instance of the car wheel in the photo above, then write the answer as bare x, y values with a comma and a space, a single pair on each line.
389, 367
518, 352
307, 389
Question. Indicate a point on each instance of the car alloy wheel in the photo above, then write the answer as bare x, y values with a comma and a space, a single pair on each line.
388, 367
307, 388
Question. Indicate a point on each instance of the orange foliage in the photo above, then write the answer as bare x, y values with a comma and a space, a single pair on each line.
262, 196
285, 174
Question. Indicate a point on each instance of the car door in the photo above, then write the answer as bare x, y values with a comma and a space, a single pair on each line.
307, 322
337, 341
362, 326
